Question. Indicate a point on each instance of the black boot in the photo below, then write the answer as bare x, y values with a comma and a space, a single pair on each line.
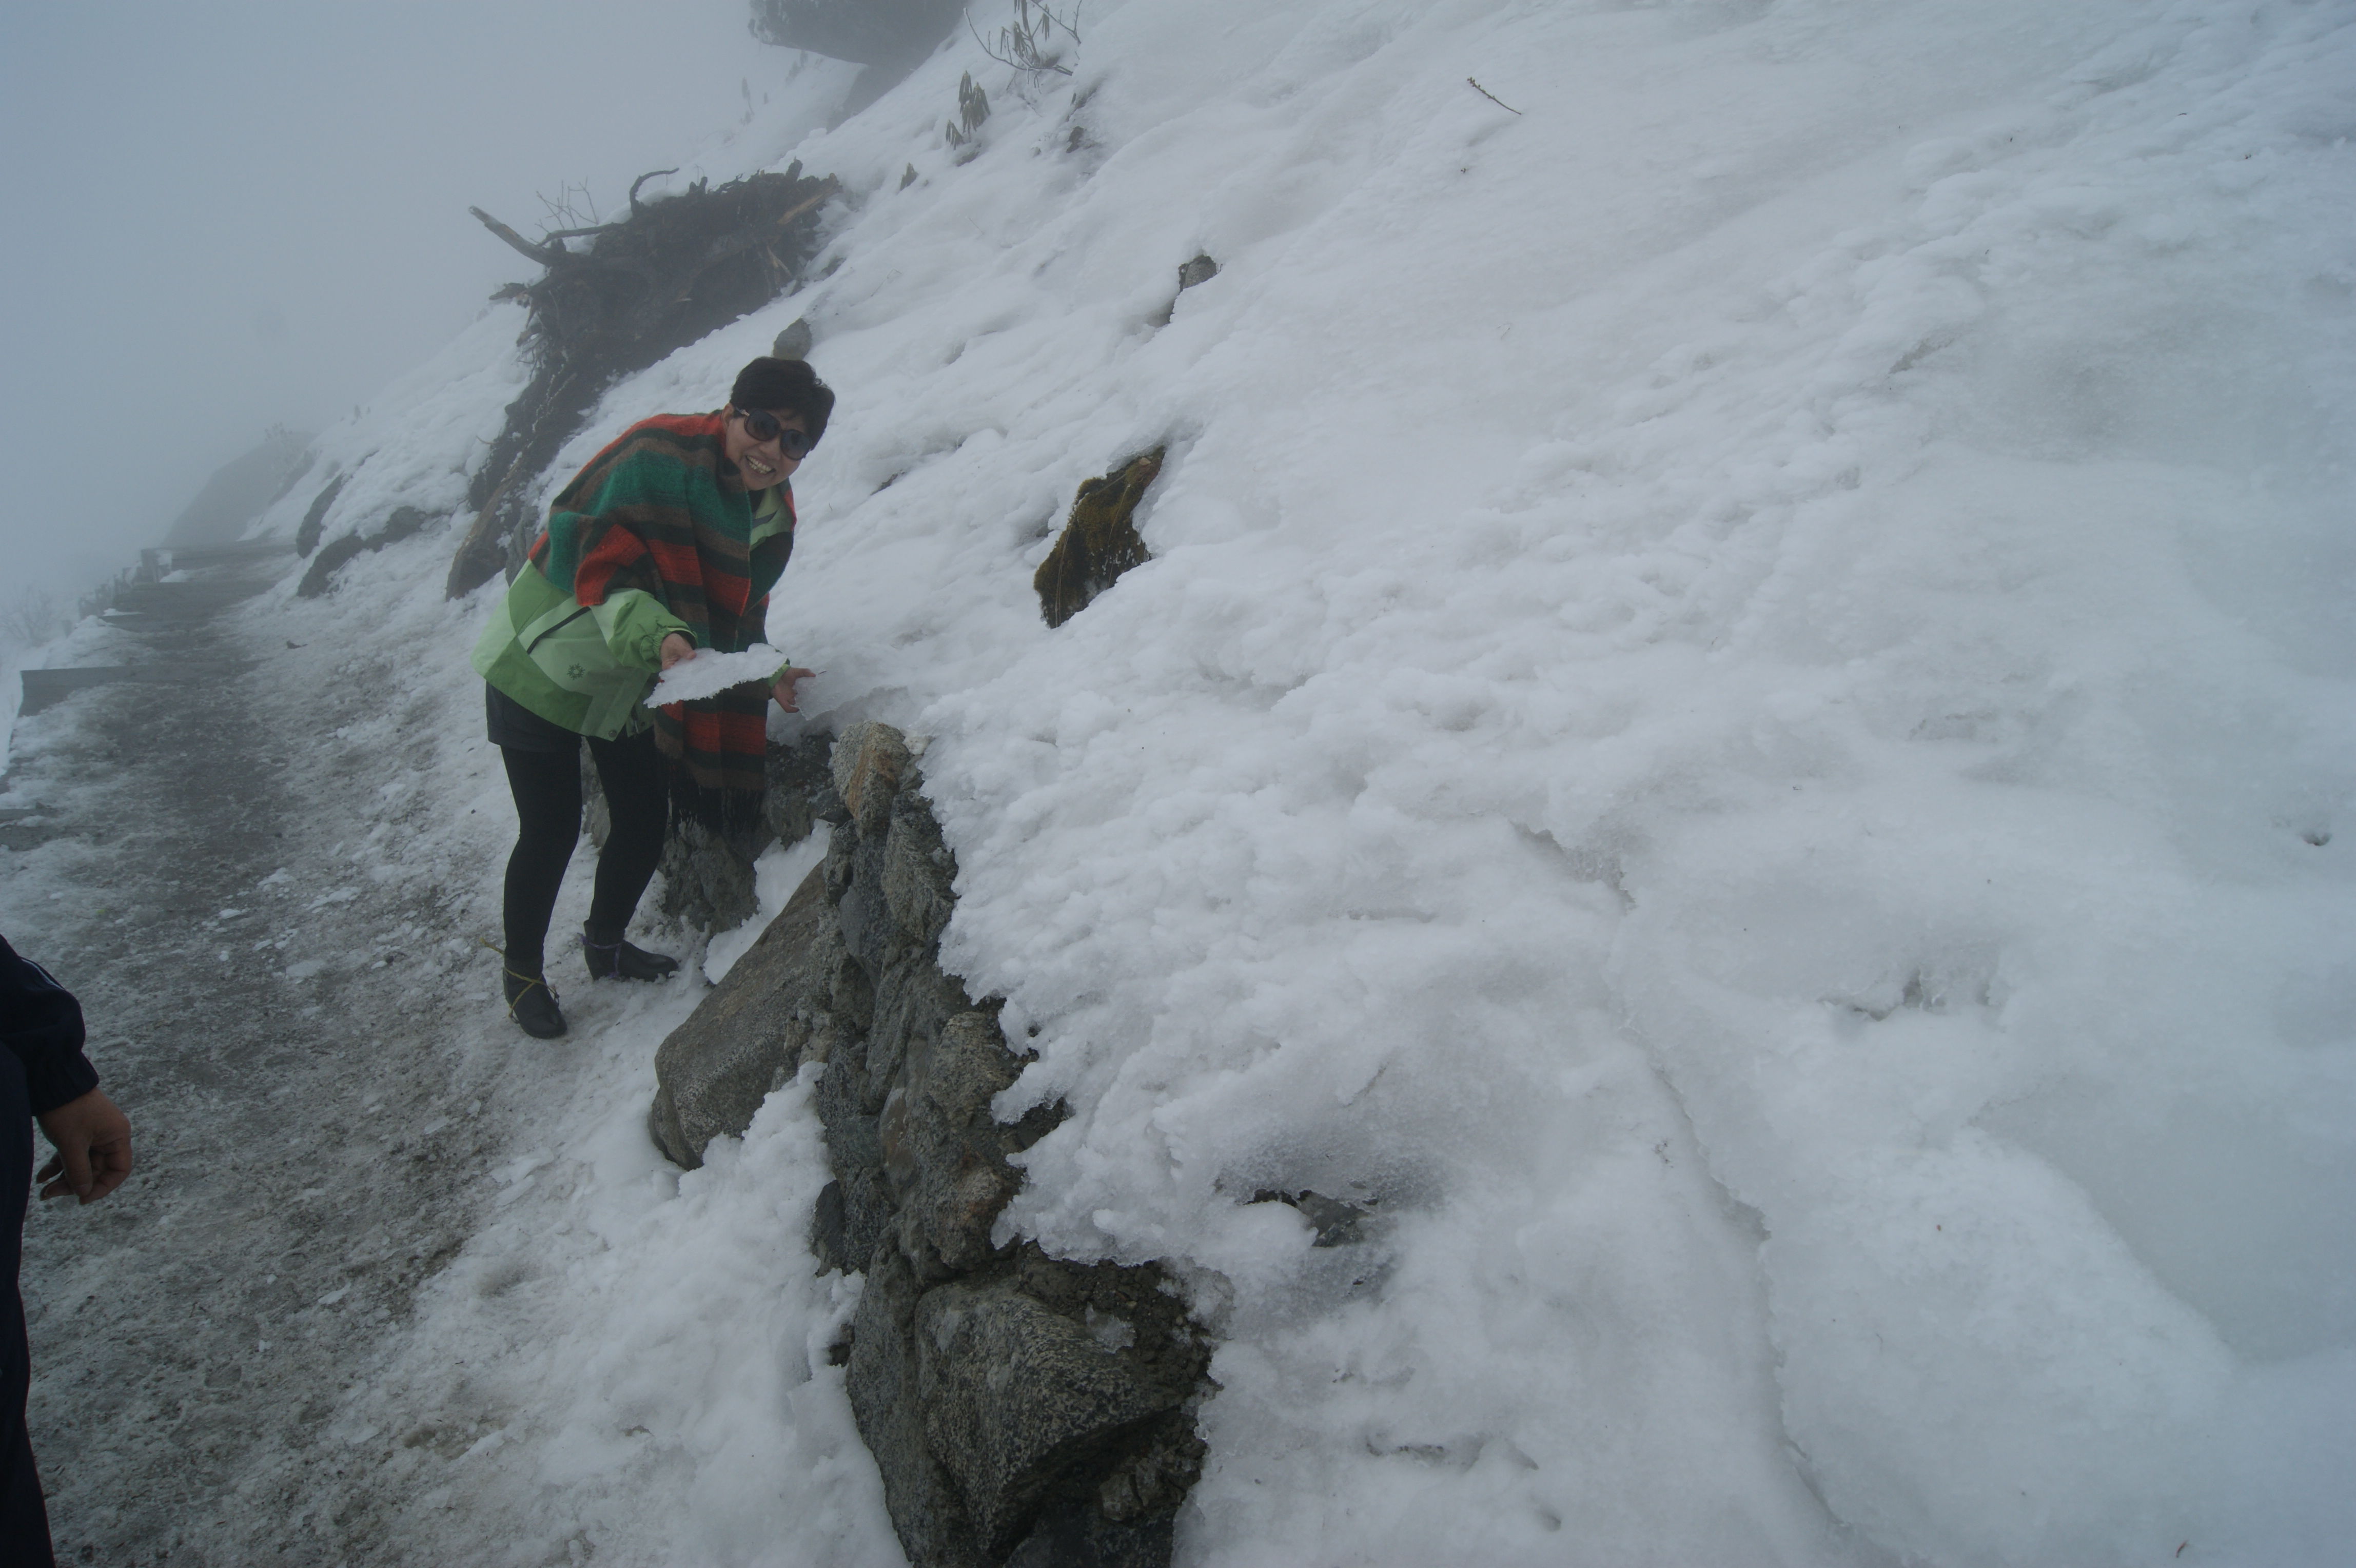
620, 959
533, 1004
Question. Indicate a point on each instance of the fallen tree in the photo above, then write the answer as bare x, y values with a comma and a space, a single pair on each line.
616, 298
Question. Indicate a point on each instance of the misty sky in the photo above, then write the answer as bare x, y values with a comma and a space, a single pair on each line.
223, 215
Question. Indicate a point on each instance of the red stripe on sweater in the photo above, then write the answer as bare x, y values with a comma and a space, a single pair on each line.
620, 548
724, 589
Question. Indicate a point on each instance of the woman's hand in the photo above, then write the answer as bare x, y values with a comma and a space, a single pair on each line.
675, 649
784, 690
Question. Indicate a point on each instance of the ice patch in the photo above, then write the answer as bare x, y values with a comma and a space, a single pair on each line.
708, 674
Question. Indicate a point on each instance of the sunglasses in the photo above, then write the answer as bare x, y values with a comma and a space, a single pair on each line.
763, 425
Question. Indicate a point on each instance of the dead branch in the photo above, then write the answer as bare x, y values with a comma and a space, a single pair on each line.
831, 187
546, 255
1493, 97
650, 174
631, 292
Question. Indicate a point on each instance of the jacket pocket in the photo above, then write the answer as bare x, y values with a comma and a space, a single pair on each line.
568, 646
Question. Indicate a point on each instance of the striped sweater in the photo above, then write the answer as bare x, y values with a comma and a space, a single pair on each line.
663, 510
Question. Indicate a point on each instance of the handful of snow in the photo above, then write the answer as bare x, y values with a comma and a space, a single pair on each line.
708, 674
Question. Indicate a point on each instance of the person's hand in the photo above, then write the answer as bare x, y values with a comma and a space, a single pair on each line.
675, 649
784, 690
94, 1144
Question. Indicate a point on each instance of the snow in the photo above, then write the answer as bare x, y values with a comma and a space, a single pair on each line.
642, 1352
705, 674
1739, 722
781, 869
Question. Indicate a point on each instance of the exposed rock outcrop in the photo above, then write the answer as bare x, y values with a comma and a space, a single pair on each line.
315, 520
1022, 1410
778, 1007
1099, 540
402, 523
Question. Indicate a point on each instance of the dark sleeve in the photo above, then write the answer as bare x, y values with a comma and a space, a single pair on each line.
41, 1023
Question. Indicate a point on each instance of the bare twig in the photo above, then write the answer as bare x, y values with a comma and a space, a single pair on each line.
579, 217
1025, 44
546, 255
1493, 97
651, 174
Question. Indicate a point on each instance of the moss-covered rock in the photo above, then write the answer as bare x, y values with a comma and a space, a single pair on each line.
1099, 540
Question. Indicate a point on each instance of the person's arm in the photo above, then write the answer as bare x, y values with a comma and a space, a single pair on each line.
41, 1025
641, 632
40, 1022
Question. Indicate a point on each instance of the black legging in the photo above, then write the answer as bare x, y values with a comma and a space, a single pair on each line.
547, 787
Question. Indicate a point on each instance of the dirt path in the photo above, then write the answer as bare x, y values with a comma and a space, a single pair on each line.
308, 1112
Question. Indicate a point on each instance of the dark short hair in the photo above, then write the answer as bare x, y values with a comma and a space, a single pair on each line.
785, 386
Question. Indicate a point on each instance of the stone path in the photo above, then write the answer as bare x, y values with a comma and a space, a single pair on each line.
308, 1116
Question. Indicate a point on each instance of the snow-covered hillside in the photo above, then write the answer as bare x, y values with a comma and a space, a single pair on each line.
1742, 719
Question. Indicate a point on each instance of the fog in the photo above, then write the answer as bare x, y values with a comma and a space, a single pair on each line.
226, 217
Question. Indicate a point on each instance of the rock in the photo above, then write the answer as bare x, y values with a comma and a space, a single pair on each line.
1199, 269
326, 564
800, 792
794, 342
1015, 1396
945, 1155
912, 1004
708, 880
1014, 1403
1070, 1534
842, 1108
886, 1400
1099, 540
1338, 1224
315, 521
1121, 1303
749, 1036
851, 1215
869, 761
918, 872
404, 523
856, 884
852, 1142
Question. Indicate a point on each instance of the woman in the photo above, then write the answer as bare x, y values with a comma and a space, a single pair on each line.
667, 543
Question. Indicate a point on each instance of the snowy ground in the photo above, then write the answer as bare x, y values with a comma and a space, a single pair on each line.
1742, 717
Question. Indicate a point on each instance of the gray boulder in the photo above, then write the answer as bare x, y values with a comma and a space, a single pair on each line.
800, 792
945, 1155
752, 1033
884, 1382
918, 872
1013, 1395
869, 762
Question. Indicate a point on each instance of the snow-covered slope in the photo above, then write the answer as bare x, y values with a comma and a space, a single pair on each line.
1741, 719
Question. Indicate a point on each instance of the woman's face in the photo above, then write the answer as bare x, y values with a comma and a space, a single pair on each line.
762, 462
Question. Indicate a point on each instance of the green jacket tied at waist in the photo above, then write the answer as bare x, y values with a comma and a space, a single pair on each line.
588, 667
